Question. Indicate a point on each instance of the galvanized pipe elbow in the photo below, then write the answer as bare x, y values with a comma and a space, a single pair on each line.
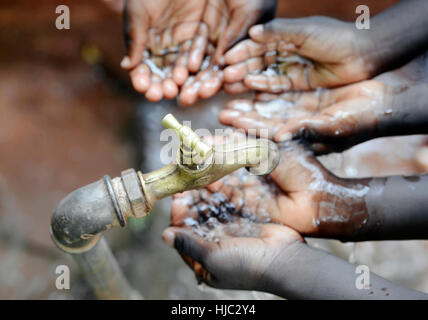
78, 222
81, 216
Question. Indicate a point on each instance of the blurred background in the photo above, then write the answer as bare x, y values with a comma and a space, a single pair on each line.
68, 115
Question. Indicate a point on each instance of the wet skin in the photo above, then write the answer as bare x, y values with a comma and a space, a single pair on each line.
228, 241
184, 30
307, 53
306, 197
393, 103
334, 53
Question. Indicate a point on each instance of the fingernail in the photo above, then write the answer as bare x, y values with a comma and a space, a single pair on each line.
256, 30
257, 82
221, 61
285, 137
233, 113
290, 46
168, 236
125, 63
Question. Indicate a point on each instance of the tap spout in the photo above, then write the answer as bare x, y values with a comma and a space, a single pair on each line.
260, 156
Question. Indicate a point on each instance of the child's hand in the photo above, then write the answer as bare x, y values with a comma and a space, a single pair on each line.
306, 53
223, 232
299, 193
189, 33
236, 253
330, 120
337, 119
159, 27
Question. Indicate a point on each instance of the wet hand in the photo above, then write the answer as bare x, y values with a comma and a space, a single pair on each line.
229, 252
184, 30
160, 27
300, 54
331, 120
299, 193
227, 22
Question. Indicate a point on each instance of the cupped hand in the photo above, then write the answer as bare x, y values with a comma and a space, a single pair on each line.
300, 54
183, 31
230, 232
299, 193
227, 251
159, 28
329, 119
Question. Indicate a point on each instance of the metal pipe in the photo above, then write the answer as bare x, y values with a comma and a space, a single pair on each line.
104, 275
81, 217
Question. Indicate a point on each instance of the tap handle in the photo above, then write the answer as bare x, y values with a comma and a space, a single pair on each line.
188, 138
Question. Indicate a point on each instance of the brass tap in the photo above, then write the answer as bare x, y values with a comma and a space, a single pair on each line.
85, 213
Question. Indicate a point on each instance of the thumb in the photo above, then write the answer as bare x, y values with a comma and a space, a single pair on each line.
296, 168
235, 31
136, 33
289, 31
188, 243
312, 129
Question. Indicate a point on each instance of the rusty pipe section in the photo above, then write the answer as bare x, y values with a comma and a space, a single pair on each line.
81, 217
104, 275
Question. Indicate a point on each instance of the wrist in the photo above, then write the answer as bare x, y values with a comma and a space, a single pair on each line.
404, 110
280, 276
342, 210
303, 272
368, 50
397, 208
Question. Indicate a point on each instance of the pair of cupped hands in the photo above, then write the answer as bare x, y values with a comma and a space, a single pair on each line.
198, 46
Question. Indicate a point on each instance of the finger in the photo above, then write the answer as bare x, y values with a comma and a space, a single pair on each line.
169, 87
236, 30
296, 169
141, 78
267, 96
184, 194
182, 208
237, 72
169, 60
244, 105
188, 243
288, 32
235, 88
154, 42
268, 82
155, 92
190, 92
314, 127
166, 41
200, 273
250, 122
245, 50
184, 32
212, 85
216, 19
197, 51
180, 72
225, 186
136, 33
320, 148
